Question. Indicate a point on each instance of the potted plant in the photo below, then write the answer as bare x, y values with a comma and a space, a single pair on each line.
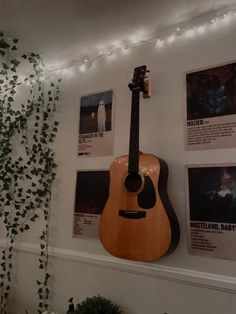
95, 305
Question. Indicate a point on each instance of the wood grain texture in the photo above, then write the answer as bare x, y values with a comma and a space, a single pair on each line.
145, 239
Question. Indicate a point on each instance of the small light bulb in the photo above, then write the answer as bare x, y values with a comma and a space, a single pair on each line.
189, 33
200, 29
226, 17
82, 68
178, 29
171, 39
134, 40
159, 43
117, 45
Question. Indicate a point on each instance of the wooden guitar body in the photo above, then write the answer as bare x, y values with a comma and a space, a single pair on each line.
139, 225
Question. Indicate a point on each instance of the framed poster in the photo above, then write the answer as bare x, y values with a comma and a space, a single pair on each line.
211, 210
90, 197
211, 108
96, 124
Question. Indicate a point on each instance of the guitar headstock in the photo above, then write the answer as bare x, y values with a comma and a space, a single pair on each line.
138, 81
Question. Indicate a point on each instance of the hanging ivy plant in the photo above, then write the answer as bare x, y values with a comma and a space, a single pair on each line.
27, 166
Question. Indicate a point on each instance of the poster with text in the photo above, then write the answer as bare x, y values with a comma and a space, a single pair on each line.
90, 198
211, 108
95, 125
211, 210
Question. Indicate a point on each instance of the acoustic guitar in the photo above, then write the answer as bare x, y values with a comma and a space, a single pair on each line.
138, 222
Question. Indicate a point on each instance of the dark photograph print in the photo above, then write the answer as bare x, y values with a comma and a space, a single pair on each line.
91, 191
212, 194
96, 112
211, 92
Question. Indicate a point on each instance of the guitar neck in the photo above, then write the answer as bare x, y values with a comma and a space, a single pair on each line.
133, 166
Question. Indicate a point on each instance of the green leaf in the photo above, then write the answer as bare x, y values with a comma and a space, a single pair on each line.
15, 62
4, 44
47, 276
2, 53
5, 66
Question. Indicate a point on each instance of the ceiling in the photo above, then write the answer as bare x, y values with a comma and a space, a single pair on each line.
62, 30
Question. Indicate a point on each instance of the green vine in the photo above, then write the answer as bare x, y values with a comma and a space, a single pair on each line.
27, 166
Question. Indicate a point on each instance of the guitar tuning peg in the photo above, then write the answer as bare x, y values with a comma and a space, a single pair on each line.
131, 86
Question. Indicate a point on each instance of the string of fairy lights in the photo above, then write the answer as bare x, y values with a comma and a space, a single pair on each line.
165, 37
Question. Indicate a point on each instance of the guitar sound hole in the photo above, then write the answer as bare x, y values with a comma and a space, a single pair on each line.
133, 182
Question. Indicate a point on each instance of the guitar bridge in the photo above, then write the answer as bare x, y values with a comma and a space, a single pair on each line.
132, 214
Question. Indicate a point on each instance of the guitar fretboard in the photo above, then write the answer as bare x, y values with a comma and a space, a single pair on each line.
134, 133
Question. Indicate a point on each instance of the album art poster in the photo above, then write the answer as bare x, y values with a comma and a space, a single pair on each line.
90, 198
211, 108
95, 125
211, 210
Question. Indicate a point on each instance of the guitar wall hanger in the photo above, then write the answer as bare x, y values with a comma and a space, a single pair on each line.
147, 89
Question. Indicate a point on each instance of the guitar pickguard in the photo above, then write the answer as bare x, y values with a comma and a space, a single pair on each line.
147, 197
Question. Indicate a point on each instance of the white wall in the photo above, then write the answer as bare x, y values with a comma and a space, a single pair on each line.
179, 283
